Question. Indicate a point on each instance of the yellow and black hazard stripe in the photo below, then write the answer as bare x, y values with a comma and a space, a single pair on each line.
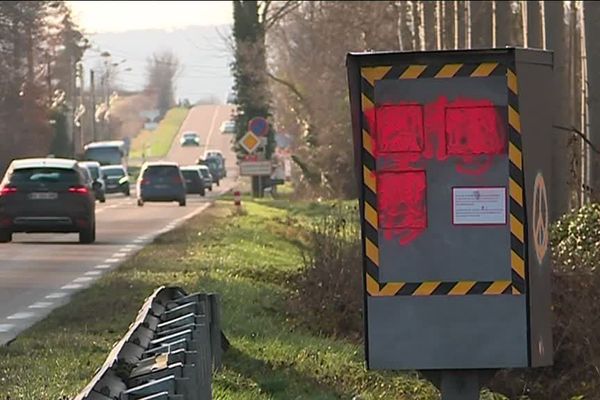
418, 71
369, 187
369, 75
517, 200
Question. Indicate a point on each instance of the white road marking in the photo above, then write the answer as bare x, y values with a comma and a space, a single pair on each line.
57, 295
82, 279
132, 246
41, 304
102, 266
21, 315
6, 327
211, 129
125, 250
111, 260
71, 286
119, 255
93, 273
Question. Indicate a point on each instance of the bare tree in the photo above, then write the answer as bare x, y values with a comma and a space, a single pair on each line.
162, 70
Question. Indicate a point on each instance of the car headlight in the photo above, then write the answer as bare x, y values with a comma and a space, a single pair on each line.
123, 180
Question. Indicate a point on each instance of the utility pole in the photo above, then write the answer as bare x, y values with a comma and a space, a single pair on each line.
93, 108
80, 74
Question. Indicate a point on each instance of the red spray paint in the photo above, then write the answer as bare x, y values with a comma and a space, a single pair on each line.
470, 131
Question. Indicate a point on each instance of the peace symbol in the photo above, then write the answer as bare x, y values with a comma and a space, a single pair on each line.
540, 218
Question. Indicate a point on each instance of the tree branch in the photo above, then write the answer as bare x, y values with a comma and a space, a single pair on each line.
580, 134
281, 12
290, 86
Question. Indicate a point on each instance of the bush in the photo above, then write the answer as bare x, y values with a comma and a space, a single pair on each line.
328, 291
575, 240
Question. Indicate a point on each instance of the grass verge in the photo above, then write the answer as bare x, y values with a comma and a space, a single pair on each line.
156, 144
249, 258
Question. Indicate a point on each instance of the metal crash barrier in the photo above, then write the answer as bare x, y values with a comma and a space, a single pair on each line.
168, 352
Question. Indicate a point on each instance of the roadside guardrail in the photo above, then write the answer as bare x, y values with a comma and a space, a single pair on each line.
168, 353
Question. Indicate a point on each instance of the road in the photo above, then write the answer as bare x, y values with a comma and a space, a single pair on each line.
40, 272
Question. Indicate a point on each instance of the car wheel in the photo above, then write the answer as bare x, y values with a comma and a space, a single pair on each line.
102, 199
87, 236
140, 203
219, 183
182, 203
127, 193
202, 193
5, 236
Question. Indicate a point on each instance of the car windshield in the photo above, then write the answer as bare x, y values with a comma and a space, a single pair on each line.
104, 155
94, 171
189, 135
213, 163
161, 171
110, 172
44, 175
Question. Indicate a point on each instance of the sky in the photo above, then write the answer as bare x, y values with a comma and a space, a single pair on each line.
118, 16
188, 28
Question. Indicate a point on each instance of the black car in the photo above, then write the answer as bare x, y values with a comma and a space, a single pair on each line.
194, 182
116, 179
161, 181
40, 195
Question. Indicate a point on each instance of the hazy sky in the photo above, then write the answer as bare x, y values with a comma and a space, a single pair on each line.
116, 16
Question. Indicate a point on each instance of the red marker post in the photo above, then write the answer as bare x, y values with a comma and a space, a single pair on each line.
237, 198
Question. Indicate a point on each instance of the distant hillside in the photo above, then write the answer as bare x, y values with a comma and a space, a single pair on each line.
201, 50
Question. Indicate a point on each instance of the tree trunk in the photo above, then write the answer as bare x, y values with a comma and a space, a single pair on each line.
461, 20
534, 25
481, 24
439, 24
516, 23
429, 23
592, 33
555, 40
503, 23
448, 21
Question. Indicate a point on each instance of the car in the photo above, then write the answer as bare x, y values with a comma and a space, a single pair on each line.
206, 176
194, 182
116, 178
189, 139
217, 154
98, 183
216, 167
213, 153
46, 195
161, 181
228, 127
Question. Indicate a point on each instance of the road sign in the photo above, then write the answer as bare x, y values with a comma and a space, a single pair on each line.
451, 156
255, 168
151, 115
150, 126
259, 126
250, 142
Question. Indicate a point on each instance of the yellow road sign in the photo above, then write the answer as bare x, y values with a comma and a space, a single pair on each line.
250, 142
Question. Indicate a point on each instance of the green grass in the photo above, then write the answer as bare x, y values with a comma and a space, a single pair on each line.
248, 258
156, 144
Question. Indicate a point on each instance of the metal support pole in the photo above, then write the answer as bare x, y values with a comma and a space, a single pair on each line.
460, 385
93, 96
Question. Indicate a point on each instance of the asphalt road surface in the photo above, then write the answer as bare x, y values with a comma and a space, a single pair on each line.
39, 272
